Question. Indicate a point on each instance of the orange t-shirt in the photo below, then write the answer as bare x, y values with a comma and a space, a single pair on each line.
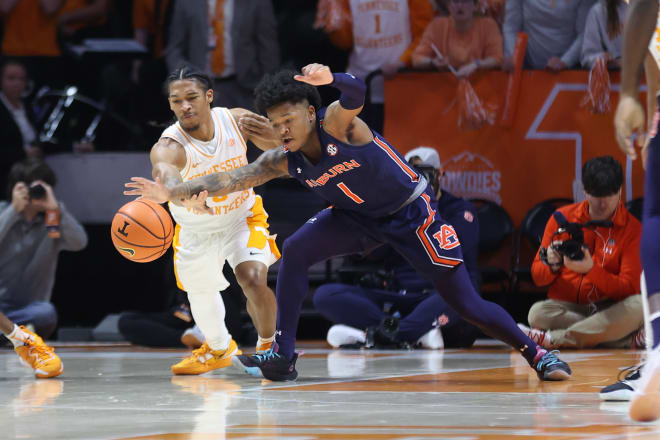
482, 40
29, 32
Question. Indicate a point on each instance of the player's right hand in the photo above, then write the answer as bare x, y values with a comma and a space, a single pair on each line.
148, 189
20, 197
629, 120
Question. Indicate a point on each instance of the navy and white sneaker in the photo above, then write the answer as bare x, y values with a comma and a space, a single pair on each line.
269, 365
549, 367
623, 389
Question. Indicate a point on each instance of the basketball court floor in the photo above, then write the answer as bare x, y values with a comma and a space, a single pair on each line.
123, 392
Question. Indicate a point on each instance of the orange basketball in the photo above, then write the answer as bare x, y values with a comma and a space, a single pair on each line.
142, 230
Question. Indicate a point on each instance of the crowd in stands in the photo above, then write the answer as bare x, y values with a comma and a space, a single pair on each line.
52, 50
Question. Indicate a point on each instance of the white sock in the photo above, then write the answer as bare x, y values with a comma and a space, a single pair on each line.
261, 341
209, 312
17, 336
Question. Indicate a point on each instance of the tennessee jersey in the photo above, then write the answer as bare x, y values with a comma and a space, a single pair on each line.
353, 177
224, 152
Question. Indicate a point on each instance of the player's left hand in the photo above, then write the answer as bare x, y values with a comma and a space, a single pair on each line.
315, 74
629, 120
580, 266
258, 127
197, 203
148, 189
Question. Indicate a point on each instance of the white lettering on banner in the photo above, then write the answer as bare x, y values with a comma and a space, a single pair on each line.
472, 176
575, 136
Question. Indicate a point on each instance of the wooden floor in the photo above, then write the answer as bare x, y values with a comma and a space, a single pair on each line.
121, 392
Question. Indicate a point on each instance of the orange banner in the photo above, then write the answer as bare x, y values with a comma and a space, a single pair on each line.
538, 157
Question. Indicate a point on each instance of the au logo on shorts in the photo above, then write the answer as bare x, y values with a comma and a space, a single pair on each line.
332, 149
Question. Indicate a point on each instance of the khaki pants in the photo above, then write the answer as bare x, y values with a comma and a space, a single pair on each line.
608, 324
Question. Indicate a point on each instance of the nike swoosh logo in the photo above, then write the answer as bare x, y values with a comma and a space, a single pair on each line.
256, 253
129, 251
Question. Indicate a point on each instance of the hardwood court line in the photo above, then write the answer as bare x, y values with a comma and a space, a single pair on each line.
511, 379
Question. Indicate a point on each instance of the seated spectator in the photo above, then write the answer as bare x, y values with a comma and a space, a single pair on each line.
416, 313
594, 297
175, 327
19, 136
466, 42
34, 228
554, 28
603, 33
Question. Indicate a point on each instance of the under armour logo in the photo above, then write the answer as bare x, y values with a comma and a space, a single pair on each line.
311, 220
298, 170
278, 332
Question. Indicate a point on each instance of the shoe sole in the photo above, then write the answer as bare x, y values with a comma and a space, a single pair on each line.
558, 375
252, 371
645, 404
616, 396
41, 374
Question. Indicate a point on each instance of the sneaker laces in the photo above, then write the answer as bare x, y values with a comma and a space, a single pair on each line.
627, 372
547, 360
266, 356
43, 352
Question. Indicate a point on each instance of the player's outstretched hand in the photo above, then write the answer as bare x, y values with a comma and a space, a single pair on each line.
148, 189
197, 203
629, 120
258, 127
315, 74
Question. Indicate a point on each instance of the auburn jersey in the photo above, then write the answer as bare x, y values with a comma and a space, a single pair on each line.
372, 179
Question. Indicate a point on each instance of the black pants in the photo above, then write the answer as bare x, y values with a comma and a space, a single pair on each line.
164, 329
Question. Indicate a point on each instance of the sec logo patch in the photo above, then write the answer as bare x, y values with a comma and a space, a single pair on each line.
332, 149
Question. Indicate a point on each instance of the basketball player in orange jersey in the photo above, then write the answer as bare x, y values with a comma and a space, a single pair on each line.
213, 230
640, 43
32, 350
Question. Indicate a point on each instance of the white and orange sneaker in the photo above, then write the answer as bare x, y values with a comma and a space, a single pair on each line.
645, 402
204, 359
35, 354
541, 337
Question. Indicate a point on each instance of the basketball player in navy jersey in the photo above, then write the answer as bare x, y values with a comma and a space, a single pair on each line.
641, 44
376, 196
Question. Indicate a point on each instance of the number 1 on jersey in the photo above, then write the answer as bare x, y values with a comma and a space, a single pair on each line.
350, 194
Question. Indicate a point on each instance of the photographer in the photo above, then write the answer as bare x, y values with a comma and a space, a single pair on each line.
393, 306
589, 258
34, 228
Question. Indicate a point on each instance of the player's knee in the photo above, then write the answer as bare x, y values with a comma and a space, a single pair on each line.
324, 295
250, 277
293, 251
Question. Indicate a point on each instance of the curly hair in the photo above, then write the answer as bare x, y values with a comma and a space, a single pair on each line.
602, 176
280, 87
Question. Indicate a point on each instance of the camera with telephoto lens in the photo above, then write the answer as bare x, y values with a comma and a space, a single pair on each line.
37, 192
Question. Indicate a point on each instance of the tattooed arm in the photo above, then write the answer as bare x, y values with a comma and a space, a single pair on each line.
167, 159
271, 164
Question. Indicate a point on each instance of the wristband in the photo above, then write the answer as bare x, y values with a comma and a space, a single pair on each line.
352, 90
